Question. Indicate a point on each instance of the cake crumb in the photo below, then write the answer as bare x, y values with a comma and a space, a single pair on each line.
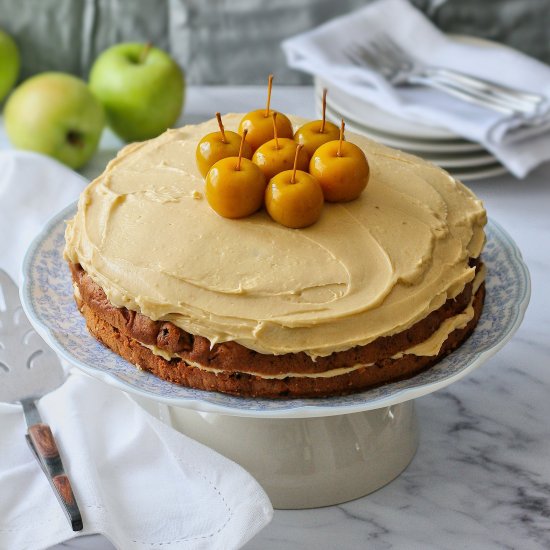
197, 195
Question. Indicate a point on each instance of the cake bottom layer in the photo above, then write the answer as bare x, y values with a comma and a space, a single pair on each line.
168, 340
198, 376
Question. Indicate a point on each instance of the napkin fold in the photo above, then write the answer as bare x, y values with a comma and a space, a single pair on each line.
324, 52
33, 188
139, 482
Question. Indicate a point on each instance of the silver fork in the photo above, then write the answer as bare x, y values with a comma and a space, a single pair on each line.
382, 54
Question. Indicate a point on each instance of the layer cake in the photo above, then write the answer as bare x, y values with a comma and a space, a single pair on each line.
377, 290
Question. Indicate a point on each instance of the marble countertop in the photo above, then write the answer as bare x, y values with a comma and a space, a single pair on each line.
481, 476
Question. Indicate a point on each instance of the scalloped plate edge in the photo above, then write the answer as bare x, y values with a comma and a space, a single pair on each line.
296, 408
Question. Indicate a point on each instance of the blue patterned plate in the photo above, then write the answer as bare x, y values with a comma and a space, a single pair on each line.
47, 297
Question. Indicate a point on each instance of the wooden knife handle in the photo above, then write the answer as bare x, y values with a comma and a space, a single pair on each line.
42, 442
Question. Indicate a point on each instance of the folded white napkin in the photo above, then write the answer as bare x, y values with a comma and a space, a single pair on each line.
33, 188
324, 52
137, 481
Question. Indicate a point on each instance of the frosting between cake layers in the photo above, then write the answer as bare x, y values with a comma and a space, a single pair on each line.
428, 348
368, 268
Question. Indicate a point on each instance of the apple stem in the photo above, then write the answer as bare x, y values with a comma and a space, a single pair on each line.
269, 86
342, 126
238, 167
322, 131
220, 124
298, 149
275, 137
145, 52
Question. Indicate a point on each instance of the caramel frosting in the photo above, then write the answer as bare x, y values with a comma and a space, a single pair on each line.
368, 268
428, 348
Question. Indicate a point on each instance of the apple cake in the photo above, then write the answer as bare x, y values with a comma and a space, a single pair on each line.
377, 290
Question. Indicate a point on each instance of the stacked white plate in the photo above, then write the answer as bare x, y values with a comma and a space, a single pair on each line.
464, 159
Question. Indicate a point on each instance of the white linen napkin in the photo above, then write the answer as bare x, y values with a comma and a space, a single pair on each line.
33, 188
324, 52
137, 481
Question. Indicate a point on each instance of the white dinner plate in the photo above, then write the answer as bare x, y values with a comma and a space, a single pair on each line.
399, 141
475, 165
376, 118
441, 158
463, 166
478, 173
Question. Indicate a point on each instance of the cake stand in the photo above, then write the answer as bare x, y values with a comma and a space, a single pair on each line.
305, 452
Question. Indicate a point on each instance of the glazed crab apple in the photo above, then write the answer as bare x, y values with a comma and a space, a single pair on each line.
278, 154
294, 198
317, 132
218, 145
341, 168
259, 123
235, 186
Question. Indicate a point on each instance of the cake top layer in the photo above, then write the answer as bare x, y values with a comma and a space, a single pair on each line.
368, 268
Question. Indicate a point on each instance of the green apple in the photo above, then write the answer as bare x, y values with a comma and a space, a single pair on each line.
9, 64
141, 89
55, 114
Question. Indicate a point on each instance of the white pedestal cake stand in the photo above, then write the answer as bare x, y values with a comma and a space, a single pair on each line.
311, 462
304, 452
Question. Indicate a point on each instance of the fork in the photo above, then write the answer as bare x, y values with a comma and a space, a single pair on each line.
382, 54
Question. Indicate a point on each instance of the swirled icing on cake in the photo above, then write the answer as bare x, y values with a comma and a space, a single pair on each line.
368, 268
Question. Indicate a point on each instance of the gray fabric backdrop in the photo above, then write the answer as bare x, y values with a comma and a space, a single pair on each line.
233, 41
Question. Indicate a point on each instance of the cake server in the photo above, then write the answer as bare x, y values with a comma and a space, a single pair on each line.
29, 369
